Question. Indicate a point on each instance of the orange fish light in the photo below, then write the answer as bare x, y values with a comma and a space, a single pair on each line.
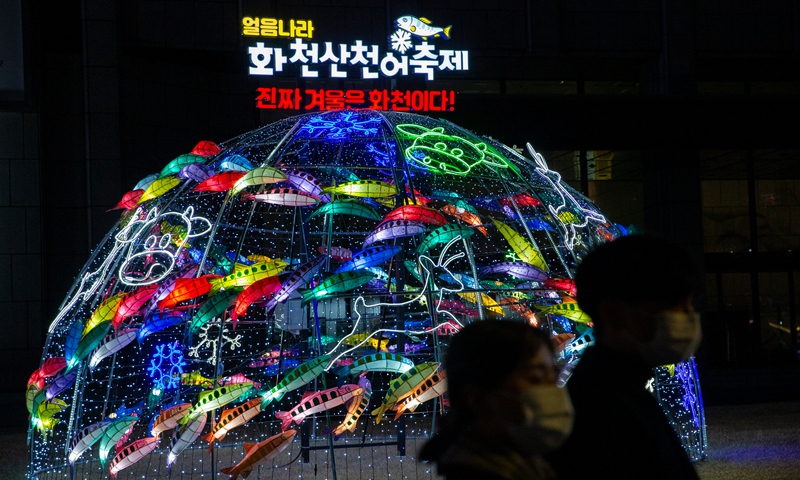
260, 452
466, 216
186, 289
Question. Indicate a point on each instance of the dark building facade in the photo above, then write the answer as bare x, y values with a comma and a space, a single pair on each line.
679, 117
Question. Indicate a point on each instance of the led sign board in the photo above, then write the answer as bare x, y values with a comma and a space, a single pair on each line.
410, 51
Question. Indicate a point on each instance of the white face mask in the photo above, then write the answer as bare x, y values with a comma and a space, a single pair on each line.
677, 337
548, 419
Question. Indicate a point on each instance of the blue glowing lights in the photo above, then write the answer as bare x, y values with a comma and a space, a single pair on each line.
166, 366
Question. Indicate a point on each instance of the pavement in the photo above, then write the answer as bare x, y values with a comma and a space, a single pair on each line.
745, 442
752, 442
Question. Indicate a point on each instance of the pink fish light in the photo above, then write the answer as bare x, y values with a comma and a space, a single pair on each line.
236, 379
521, 199
133, 303
50, 368
394, 229
132, 453
288, 197
255, 292
315, 402
448, 328
307, 183
340, 254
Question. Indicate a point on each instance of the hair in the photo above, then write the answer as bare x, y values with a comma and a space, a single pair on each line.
636, 269
484, 354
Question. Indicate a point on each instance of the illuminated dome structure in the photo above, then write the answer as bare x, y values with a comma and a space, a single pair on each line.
283, 301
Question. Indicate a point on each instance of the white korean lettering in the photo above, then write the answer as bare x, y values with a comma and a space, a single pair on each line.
260, 56
424, 60
329, 56
391, 65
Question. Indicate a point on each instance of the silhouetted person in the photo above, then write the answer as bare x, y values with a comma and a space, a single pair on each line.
505, 407
638, 291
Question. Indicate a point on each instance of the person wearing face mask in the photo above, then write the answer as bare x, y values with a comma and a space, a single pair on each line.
505, 407
639, 292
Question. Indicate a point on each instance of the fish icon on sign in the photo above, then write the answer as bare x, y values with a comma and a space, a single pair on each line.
421, 27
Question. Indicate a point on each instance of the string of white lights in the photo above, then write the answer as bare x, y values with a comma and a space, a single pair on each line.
428, 274
568, 228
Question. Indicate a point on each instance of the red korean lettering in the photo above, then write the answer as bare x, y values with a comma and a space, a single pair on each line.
400, 100
378, 99
317, 99
334, 99
434, 97
354, 98
266, 98
289, 99
419, 100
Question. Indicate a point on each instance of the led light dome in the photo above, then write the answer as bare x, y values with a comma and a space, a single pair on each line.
286, 263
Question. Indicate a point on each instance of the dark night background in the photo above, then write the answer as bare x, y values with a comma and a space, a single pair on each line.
683, 112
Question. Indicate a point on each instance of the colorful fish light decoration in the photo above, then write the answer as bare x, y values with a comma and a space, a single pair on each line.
315, 402
295, 378
358, 405
232, 418
168, 418
260, 452
341, 247
405, 385
132, 453
215, 398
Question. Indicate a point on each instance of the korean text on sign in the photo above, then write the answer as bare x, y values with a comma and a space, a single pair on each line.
424, 59
322, 99
273, 27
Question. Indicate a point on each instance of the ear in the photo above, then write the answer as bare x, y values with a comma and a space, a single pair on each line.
615, 317
621, 318
613, 312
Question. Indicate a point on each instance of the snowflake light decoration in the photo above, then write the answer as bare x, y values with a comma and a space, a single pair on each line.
166, 366
400, 40
211, 342
345, 124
